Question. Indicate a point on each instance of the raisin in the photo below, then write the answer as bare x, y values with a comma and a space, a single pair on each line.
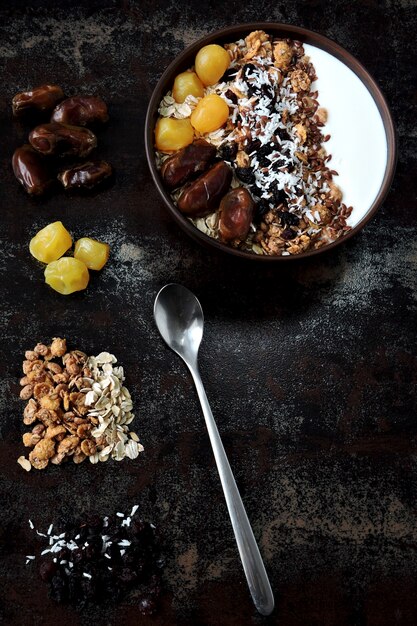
279, 195
245, 174
252, 146
288, 234
282, 134
261, 209
267, 91
248, 68
228, 151
88, 588
277, 164
58, 589
229, 75
289, 219
47, 570
255, 190
263, 153
73, 587
230, 95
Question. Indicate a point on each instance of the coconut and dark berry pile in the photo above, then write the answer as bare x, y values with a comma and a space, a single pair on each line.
99, 560
273, 192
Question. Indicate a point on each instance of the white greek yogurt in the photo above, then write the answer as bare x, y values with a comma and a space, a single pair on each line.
358, 142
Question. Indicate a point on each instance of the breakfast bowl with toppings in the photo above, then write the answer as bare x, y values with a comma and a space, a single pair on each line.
269, 142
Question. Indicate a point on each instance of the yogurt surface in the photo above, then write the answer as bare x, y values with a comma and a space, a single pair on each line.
358, 142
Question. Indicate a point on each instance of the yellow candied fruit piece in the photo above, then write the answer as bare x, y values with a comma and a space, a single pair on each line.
187, 84
67, 275
210, 114
50, 243
94, 254
211, 63
172, 134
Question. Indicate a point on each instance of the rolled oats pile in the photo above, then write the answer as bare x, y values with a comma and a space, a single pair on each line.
77, 407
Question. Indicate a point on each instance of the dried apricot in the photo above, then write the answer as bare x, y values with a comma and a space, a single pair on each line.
187, 84
93, 253
172, 134
67, 275
211, 63
210, 114
50, 243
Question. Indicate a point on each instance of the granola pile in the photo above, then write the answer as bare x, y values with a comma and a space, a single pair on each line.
77, 407
274, 143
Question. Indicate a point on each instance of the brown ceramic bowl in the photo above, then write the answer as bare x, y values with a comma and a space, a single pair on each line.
186, 59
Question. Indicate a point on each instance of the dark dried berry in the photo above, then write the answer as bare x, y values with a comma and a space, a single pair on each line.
248, 68
73, 588
253, 146
282, 134
277, 164
58, 589
88, 588
77, 556
263, 153
229, 75
279, 195
261, 209
47, 570
288, 234
230, 95
228, 151
256, 191
91, 577
245, 174
267, 91
289, 219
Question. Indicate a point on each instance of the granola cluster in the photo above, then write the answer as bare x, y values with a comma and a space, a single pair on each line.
274, 142
76, 410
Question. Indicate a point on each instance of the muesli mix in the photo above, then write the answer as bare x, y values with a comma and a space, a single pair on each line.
254, 137
77, 406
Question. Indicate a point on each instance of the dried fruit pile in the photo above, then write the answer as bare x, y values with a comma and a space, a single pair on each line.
38, 165
98, 560
67, 274
77, 406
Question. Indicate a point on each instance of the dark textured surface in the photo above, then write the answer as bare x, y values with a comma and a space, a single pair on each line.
310, 369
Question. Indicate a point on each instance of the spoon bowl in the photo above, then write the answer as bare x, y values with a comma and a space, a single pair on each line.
180, 320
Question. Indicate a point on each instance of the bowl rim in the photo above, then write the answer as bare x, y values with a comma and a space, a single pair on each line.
306, 36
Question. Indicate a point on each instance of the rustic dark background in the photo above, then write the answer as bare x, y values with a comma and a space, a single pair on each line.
310, 368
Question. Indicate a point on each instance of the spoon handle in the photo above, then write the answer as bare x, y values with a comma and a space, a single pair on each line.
253, 565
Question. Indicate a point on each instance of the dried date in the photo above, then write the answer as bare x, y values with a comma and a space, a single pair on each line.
236, 212
31, 170
81, 111
62, 140
85, 176
187, 163
203, 195
39, 100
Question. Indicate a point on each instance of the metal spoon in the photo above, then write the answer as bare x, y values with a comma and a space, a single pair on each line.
179, 318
